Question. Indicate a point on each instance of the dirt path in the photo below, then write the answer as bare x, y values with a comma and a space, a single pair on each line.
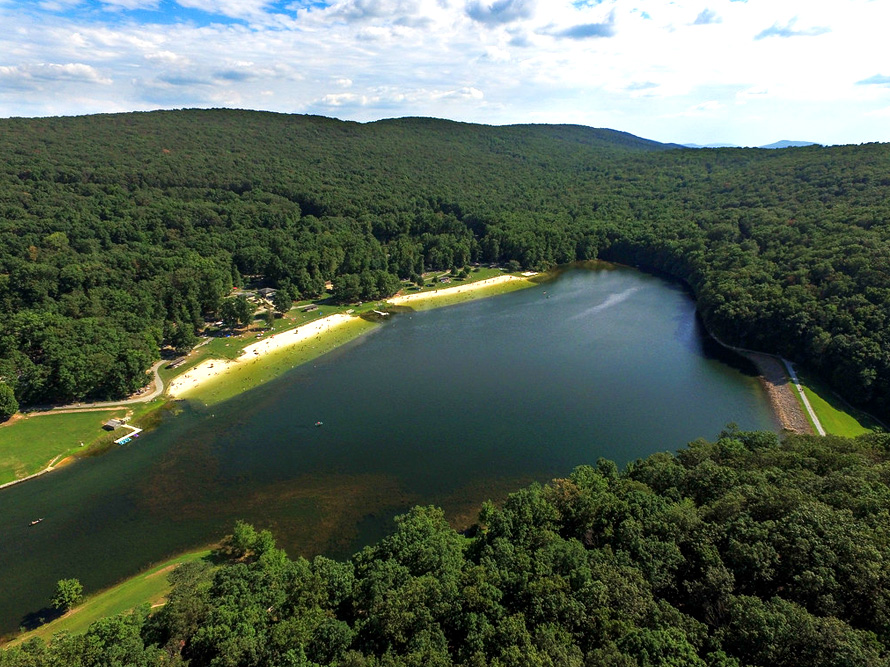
156, 387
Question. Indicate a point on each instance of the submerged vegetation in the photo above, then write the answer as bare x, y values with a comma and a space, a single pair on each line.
120, 234
743, 551
123, 235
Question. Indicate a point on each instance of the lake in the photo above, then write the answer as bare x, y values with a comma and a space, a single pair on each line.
448, 407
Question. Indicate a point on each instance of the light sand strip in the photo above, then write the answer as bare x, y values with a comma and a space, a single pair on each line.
448, 291
211, 368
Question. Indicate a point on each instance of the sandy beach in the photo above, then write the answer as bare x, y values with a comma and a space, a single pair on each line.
211, 368
448, 291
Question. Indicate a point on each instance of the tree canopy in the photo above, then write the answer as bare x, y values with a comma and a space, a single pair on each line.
69, 592
8, 405
746, 551
122, 233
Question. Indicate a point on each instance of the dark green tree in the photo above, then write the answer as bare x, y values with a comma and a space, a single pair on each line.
235, 311
282, 301
8, 403
69, 593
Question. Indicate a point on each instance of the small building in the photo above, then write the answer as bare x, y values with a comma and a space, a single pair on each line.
266, 292
310, 308
113, 424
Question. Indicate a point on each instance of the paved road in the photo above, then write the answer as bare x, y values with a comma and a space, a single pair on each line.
803, 396
104, 405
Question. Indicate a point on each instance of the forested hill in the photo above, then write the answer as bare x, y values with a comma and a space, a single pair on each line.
122, 233
744, 552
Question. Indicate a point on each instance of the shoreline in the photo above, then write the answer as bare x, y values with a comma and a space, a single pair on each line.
216, 378
451, 291
779, 390
214, 369
775, 381
211, 369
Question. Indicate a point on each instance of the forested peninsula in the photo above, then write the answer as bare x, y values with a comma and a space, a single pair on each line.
746, 551
121, 234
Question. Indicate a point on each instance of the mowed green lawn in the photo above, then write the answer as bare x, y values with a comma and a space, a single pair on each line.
836, 416
150, 586
28, 445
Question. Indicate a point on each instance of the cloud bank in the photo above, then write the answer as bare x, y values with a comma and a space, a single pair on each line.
702, 71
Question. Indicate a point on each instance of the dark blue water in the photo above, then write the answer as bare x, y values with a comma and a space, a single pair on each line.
449, 406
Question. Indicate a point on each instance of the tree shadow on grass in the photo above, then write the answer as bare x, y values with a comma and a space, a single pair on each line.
35, 619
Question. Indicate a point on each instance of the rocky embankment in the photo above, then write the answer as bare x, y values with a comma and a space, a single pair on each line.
781, 393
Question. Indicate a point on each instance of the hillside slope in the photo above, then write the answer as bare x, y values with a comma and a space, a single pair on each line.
121, 233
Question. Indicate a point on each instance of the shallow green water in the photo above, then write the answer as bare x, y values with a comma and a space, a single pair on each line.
448, 406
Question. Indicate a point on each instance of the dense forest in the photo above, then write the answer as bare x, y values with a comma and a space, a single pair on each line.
120, 234
740, 552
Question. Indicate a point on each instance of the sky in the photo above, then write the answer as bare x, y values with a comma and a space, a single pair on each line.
742, 72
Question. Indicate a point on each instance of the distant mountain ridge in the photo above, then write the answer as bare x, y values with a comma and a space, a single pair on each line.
573, 134
784, 143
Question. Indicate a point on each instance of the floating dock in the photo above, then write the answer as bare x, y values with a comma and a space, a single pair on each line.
132, 434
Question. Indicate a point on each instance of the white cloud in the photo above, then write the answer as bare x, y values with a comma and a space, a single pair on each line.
876, 80
500, 11
707, 16
360, 10
467, 93
879, 113
59, 5
131, 4
496, 54
27, 76
236, 9
660, 68
340, 99
707, 107
167, 58
751, 93
789, 30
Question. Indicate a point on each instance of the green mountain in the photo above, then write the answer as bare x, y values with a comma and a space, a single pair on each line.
121, 233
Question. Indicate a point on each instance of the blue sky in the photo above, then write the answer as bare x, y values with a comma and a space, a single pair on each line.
746, 72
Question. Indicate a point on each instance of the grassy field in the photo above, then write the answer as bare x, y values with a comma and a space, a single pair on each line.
836, 416
150, 586
28, 444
